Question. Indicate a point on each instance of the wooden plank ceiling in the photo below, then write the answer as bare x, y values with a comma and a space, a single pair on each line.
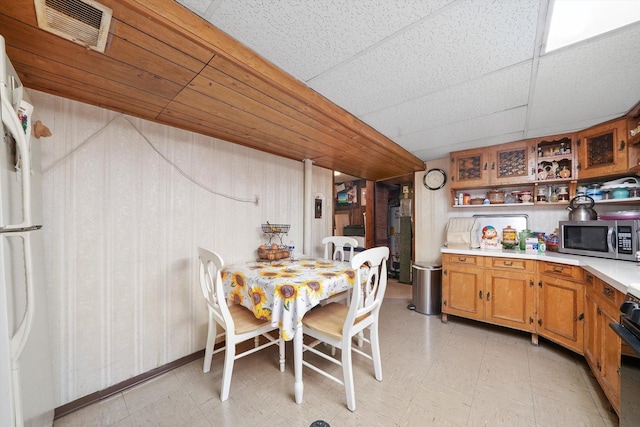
165, 64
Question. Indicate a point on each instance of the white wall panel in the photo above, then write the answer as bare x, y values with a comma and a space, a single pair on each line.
122, 225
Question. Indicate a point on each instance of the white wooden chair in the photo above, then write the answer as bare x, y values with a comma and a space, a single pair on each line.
337, 324
337, 245
237, 322
334, 247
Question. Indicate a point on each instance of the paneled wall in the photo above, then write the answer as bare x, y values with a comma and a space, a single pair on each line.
126, 204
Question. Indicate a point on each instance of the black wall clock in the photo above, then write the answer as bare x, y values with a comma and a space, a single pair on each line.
434, 179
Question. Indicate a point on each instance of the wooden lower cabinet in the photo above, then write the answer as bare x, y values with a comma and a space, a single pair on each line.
503, 295
510, 298
561, 311
462, 286
602, 344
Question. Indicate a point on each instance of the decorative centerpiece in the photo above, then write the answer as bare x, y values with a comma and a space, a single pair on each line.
273, 251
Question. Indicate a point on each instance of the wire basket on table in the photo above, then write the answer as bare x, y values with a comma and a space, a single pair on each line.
275, 228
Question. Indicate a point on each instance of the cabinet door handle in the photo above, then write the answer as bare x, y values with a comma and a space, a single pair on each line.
590, 279
580, 317
530, 320
445, 272
557, 269
488, 296
462, 259
493, 166
621, 146
480, 295
607, 292
508, 263
485, 166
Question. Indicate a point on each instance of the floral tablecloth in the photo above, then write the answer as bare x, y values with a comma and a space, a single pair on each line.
283, 291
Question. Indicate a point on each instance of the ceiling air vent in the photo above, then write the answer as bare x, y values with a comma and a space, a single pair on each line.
85, 22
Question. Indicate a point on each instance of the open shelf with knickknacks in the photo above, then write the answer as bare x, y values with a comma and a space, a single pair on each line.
621, 190
552, 170
555, 159
550, 193
558, 193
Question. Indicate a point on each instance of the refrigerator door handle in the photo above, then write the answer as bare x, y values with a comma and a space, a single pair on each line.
19, 338
10, 120
19, 230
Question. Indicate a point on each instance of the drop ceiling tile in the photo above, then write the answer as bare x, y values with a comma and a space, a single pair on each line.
197, 6
499, 91
306, 38
464, 41
494, 128
588, 82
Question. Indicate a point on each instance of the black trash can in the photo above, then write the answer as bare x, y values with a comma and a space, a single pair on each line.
427, 288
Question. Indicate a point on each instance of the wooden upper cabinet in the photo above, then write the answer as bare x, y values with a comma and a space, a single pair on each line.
470, 168
633, 129
510, 163
603, 150
633, 125
513, 163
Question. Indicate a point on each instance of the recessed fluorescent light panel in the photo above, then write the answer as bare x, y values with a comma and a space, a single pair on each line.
571, 21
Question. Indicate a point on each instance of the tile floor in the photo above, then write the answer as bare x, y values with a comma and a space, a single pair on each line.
462, 373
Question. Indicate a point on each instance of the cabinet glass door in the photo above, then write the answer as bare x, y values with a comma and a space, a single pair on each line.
513, 163
603, 150
469, 168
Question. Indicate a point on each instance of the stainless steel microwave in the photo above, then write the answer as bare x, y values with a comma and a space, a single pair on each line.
604, 239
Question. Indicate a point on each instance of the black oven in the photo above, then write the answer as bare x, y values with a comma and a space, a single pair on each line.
629, 332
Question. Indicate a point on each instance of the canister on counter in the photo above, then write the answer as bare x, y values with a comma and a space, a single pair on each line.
509, 237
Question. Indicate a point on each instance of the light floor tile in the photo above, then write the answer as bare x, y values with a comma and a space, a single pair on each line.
460, 373
107, 412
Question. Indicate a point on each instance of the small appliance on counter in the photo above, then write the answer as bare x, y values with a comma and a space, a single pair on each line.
462, 233
615, 239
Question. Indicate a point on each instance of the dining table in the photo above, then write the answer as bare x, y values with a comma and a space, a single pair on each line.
282, 291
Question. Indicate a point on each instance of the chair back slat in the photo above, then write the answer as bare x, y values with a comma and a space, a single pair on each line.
368, 294
338, 243
211, 283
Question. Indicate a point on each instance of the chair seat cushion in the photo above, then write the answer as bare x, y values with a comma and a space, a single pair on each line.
244, 319
328, 319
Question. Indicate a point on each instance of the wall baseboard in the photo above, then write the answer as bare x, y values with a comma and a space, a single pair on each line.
117, 388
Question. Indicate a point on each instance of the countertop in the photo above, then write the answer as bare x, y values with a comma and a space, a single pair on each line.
619, 274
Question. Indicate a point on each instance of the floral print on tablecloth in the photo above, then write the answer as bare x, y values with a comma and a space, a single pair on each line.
281, 292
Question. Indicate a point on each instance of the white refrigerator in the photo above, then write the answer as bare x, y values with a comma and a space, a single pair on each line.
26, 379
